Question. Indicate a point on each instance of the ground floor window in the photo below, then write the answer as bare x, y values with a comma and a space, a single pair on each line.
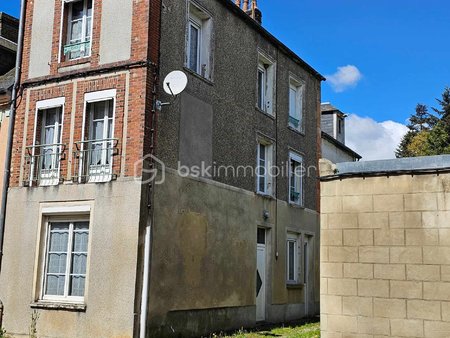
66, 259
292, 260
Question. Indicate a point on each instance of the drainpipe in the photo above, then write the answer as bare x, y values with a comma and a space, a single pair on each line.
11, 127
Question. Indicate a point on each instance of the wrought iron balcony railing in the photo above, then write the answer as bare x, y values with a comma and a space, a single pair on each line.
93, 160
42, 164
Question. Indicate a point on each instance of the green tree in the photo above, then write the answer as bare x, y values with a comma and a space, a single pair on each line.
422, 120
444, 110
402, 149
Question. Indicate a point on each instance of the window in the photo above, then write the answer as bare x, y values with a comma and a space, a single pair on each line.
199, 35
264, 165
66, 258
265, 84
296, 172
77, 29
98, 146
292, 259
296, 104
43, 157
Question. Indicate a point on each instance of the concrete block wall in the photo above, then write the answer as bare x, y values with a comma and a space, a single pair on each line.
385, 256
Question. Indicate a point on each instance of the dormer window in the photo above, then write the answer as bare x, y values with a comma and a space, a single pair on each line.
77, 30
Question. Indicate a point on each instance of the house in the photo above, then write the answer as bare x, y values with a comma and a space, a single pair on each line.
9, 27
100, 247
333, 136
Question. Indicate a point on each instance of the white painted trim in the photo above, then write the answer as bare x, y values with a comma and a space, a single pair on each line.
74, 209
100, 96
51, 103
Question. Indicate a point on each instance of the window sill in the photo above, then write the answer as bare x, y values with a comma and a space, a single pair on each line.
300, 132
294, 286
197, 75
47, 305
297, 206
272, 116
65, 65
269, 197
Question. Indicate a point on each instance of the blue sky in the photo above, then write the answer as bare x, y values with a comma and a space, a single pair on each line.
400, 47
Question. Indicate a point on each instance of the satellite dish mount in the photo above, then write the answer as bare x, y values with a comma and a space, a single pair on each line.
174, 84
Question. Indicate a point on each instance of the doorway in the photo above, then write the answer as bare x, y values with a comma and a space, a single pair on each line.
261, 262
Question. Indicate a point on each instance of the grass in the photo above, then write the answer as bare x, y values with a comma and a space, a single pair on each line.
311, 330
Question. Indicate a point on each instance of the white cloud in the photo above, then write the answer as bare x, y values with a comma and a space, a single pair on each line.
371, 139
345, 77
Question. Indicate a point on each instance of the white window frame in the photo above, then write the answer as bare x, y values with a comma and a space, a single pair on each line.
71, 220
268, 179
299, 159
296, 240
199, 18
58, 102
268, 65
65, 40
94, 97
261, 86
299, 87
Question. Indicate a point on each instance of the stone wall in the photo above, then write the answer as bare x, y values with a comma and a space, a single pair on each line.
385, 255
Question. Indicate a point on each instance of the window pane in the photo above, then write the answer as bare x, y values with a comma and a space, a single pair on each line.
57, 263
261, 89
77, 10
261, 236
291, 260
76, 31
55, 285
77, 285
194, 38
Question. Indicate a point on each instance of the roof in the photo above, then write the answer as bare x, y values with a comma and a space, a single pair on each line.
265, 33
392, 167
341, 145
7, 80
328, 108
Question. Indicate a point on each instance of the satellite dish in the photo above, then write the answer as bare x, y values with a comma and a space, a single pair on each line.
175, 83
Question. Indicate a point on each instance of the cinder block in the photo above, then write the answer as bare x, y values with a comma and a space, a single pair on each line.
436, 219
445, 273
373, 325
342, 254
422, 309
373, 288
389, 237
406, 255
423, 272
331, 237
339, 323
421, 202
358, 237
323, 286
328, 188
358, 203
373, 254
342, 287
437, 329
444, 201
405, 220
444, 236
331, 304
436, 255
323, 221
407, 328
389, 308
406, 289
422, 237
390, 271
323, 253
436, 291
388, 202
357, 306
373, 220
343, 221
331, 335
331, 270
357, 270
330, 204
445, 311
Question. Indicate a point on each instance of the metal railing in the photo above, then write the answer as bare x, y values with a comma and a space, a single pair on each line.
93, 160
42, 164
77, 50
295, 123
